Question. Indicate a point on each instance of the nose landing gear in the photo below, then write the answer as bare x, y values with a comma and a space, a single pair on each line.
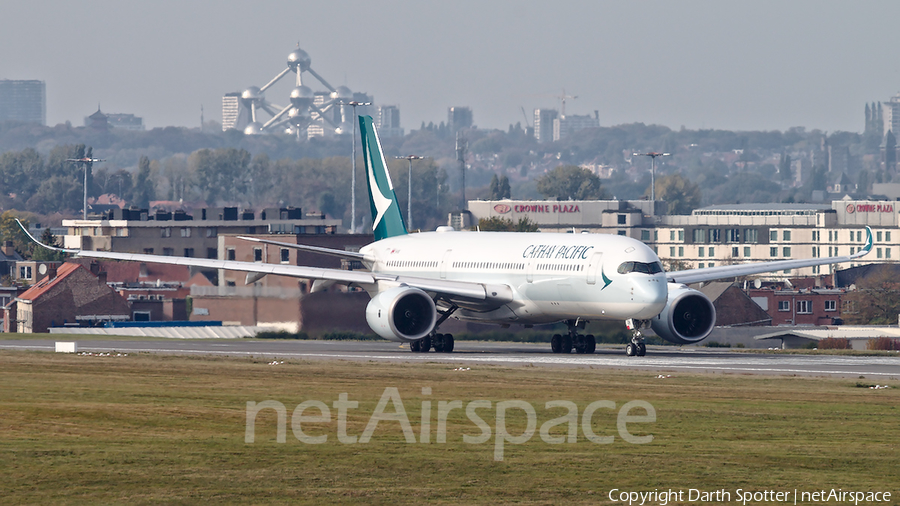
636, 347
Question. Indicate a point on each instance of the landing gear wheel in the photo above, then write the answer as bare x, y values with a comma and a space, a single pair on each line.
630, 350
642, 349
425, 344
439, 343
448, 343
580, 345
414, 346
566, 347
590, 344
556, 343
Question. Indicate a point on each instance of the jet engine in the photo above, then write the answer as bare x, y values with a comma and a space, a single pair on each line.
689, 316
401, 314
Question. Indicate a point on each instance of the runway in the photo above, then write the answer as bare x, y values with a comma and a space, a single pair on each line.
469, 353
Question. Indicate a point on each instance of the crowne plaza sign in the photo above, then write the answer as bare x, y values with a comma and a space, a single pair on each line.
881, 207
876, 213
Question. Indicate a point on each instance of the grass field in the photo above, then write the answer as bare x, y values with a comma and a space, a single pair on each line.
148, 428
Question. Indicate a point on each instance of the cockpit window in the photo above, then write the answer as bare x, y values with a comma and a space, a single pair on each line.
646, 268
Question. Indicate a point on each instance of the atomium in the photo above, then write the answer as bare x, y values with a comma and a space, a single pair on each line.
309, 113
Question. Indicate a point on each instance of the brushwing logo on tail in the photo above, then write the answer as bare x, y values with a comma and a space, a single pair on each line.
386, 218
382, 203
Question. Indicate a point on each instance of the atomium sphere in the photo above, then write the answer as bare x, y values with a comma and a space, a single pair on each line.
298, 112
252, 93
344, 128
342, 93
299, 58
303, 94
254, 128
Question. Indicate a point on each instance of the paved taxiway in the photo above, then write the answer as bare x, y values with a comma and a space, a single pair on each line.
658, 359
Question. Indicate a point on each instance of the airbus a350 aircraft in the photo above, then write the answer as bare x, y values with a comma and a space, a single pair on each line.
417, 281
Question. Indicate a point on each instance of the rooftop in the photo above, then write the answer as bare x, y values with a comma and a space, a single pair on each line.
768, 209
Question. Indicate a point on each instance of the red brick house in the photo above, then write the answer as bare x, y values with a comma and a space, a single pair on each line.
809, 306
70, 295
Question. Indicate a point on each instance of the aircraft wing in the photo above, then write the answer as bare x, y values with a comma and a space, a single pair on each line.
349, 255
489, 295
730, 271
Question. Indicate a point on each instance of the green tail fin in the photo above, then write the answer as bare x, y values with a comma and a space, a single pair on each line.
386, 218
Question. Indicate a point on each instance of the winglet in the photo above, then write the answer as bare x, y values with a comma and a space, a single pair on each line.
386, 218
39, 243
867, 248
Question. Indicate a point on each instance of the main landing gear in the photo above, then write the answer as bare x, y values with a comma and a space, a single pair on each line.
636, 347
442, 343
573, 340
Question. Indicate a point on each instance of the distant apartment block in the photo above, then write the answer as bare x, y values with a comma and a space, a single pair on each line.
543, 124
459, 118
180, 234
125, 121
388, 121
565, 126
24, 101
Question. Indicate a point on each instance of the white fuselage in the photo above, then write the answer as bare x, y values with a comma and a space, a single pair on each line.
553, 277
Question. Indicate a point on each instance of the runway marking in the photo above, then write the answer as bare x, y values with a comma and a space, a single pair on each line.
699, 364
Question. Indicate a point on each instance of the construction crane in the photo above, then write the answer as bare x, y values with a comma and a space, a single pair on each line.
562, 98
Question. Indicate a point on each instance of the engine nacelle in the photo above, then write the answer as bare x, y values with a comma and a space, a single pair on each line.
689, 316
401, 314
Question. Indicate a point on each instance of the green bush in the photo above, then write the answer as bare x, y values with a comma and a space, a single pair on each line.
328, 336
716, 344
280, 334
348, 336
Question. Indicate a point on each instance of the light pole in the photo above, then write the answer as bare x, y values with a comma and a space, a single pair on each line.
652, 156
354, 103
409, 159
86, 163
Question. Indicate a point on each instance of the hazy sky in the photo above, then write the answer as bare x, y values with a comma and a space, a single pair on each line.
702, 64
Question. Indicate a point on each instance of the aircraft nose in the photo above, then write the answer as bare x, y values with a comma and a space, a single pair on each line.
652, 292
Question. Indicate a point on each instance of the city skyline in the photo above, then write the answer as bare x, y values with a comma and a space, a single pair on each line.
697, 64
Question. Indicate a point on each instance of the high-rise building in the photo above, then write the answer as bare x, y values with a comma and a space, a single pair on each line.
388, 121
543, 124
459, 118
232, 118
564, 126
23, 101
891, 114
